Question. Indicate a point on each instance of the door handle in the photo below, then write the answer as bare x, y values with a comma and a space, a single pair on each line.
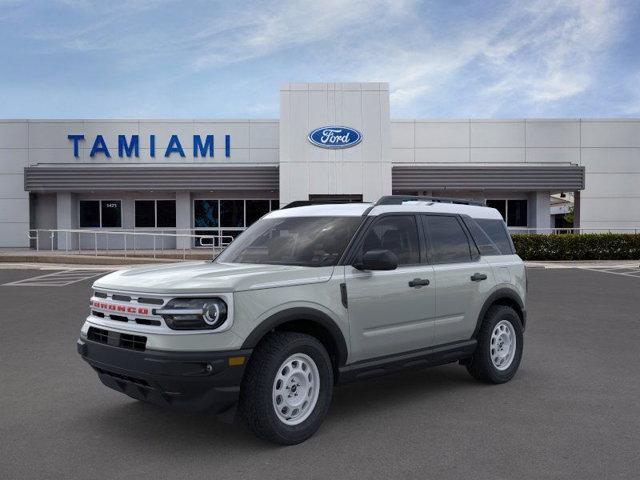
419, 282
476, 277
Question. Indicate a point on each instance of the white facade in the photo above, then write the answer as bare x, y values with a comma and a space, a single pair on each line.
609, 150
363, 169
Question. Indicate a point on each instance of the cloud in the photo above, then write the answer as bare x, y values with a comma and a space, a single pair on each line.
286, 25
439, 57
543, 53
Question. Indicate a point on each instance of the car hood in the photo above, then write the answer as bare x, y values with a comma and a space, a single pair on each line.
208, 277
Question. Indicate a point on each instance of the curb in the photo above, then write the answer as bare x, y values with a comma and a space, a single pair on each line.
84, 260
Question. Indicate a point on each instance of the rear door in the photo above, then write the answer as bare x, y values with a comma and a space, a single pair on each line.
389, 312
462, 278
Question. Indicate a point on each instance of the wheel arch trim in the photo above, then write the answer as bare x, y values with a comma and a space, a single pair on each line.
297, 314
495, 297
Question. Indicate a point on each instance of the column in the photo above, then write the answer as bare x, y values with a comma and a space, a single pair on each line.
66, 218
539, 212
183, 219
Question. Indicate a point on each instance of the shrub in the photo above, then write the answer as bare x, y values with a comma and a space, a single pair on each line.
588, 246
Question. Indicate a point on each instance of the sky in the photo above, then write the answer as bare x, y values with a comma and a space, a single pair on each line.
228, 59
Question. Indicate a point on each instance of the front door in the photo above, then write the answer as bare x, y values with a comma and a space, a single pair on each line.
388, 312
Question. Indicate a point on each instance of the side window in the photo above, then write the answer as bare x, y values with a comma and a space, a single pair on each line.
497, 232
397, 233
484, 243
449, 242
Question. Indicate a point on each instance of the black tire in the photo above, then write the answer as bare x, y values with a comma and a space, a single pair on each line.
256, 405
480, 365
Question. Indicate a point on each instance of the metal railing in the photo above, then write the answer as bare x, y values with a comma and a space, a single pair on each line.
578, 231
128, 241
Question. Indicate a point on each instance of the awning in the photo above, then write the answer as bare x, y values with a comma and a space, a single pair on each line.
48, 178
555, 178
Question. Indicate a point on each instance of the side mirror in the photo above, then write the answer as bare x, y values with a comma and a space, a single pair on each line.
378, 260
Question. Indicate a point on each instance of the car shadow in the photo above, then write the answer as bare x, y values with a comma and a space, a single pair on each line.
157, 427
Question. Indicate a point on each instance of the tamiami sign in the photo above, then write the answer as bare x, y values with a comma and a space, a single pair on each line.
129, 146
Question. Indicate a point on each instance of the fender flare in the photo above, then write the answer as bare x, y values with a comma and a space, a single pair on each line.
502, 293
296, 314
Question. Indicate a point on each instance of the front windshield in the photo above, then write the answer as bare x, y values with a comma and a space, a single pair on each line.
305, 241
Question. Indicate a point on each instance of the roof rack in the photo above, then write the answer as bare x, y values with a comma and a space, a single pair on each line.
400, 199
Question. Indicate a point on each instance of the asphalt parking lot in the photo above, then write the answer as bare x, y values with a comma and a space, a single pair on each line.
572, 411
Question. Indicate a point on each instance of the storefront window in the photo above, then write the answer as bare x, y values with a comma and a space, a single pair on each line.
517, 213
111, 211
155, 213
205, 213
166, 213
100, 213
256, 209
232, 213
514, 212
90, 214
145, 213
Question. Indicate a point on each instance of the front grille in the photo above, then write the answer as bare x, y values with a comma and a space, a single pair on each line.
121, 298
150, 301
126, 308
98, 335
133, 342
126, 378
146, 321
122, 340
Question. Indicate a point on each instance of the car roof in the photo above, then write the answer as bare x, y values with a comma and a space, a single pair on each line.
358, 209
328, 210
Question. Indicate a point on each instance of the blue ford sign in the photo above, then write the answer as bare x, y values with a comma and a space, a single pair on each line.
335, 137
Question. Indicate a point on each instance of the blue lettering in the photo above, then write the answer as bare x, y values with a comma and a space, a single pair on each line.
129, 146
99, 146
76, 139
203, 149
124, 149
174, 147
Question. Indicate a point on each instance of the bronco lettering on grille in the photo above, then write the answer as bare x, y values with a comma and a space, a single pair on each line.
119, 308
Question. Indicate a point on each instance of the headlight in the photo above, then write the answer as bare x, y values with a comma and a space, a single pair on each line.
194, 313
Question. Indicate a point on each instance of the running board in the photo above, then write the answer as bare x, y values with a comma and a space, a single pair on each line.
427, 357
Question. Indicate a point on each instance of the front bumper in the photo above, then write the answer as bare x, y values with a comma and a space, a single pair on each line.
190, 380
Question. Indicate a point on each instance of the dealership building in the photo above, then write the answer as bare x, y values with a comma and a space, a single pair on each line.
201, 176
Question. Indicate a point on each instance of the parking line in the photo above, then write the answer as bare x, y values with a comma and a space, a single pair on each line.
623, 271
56, 279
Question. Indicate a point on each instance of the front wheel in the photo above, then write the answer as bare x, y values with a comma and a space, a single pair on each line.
287, 389
499, 351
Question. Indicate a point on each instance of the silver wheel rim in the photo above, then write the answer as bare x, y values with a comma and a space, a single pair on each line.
503, 345
295, 389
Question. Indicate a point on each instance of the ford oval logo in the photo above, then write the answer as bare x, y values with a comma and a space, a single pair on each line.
335, 137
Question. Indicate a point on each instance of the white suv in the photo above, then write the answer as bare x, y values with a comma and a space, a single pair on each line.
309, 297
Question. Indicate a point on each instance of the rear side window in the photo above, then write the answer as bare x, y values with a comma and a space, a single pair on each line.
449, 242
484, 243
497, 232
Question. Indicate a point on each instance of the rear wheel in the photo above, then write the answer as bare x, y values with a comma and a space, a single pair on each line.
500, 343
287, 389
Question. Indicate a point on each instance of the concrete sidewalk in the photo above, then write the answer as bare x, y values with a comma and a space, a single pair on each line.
585, 264
102, 258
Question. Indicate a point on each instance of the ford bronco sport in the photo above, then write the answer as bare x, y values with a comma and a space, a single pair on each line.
310, 297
